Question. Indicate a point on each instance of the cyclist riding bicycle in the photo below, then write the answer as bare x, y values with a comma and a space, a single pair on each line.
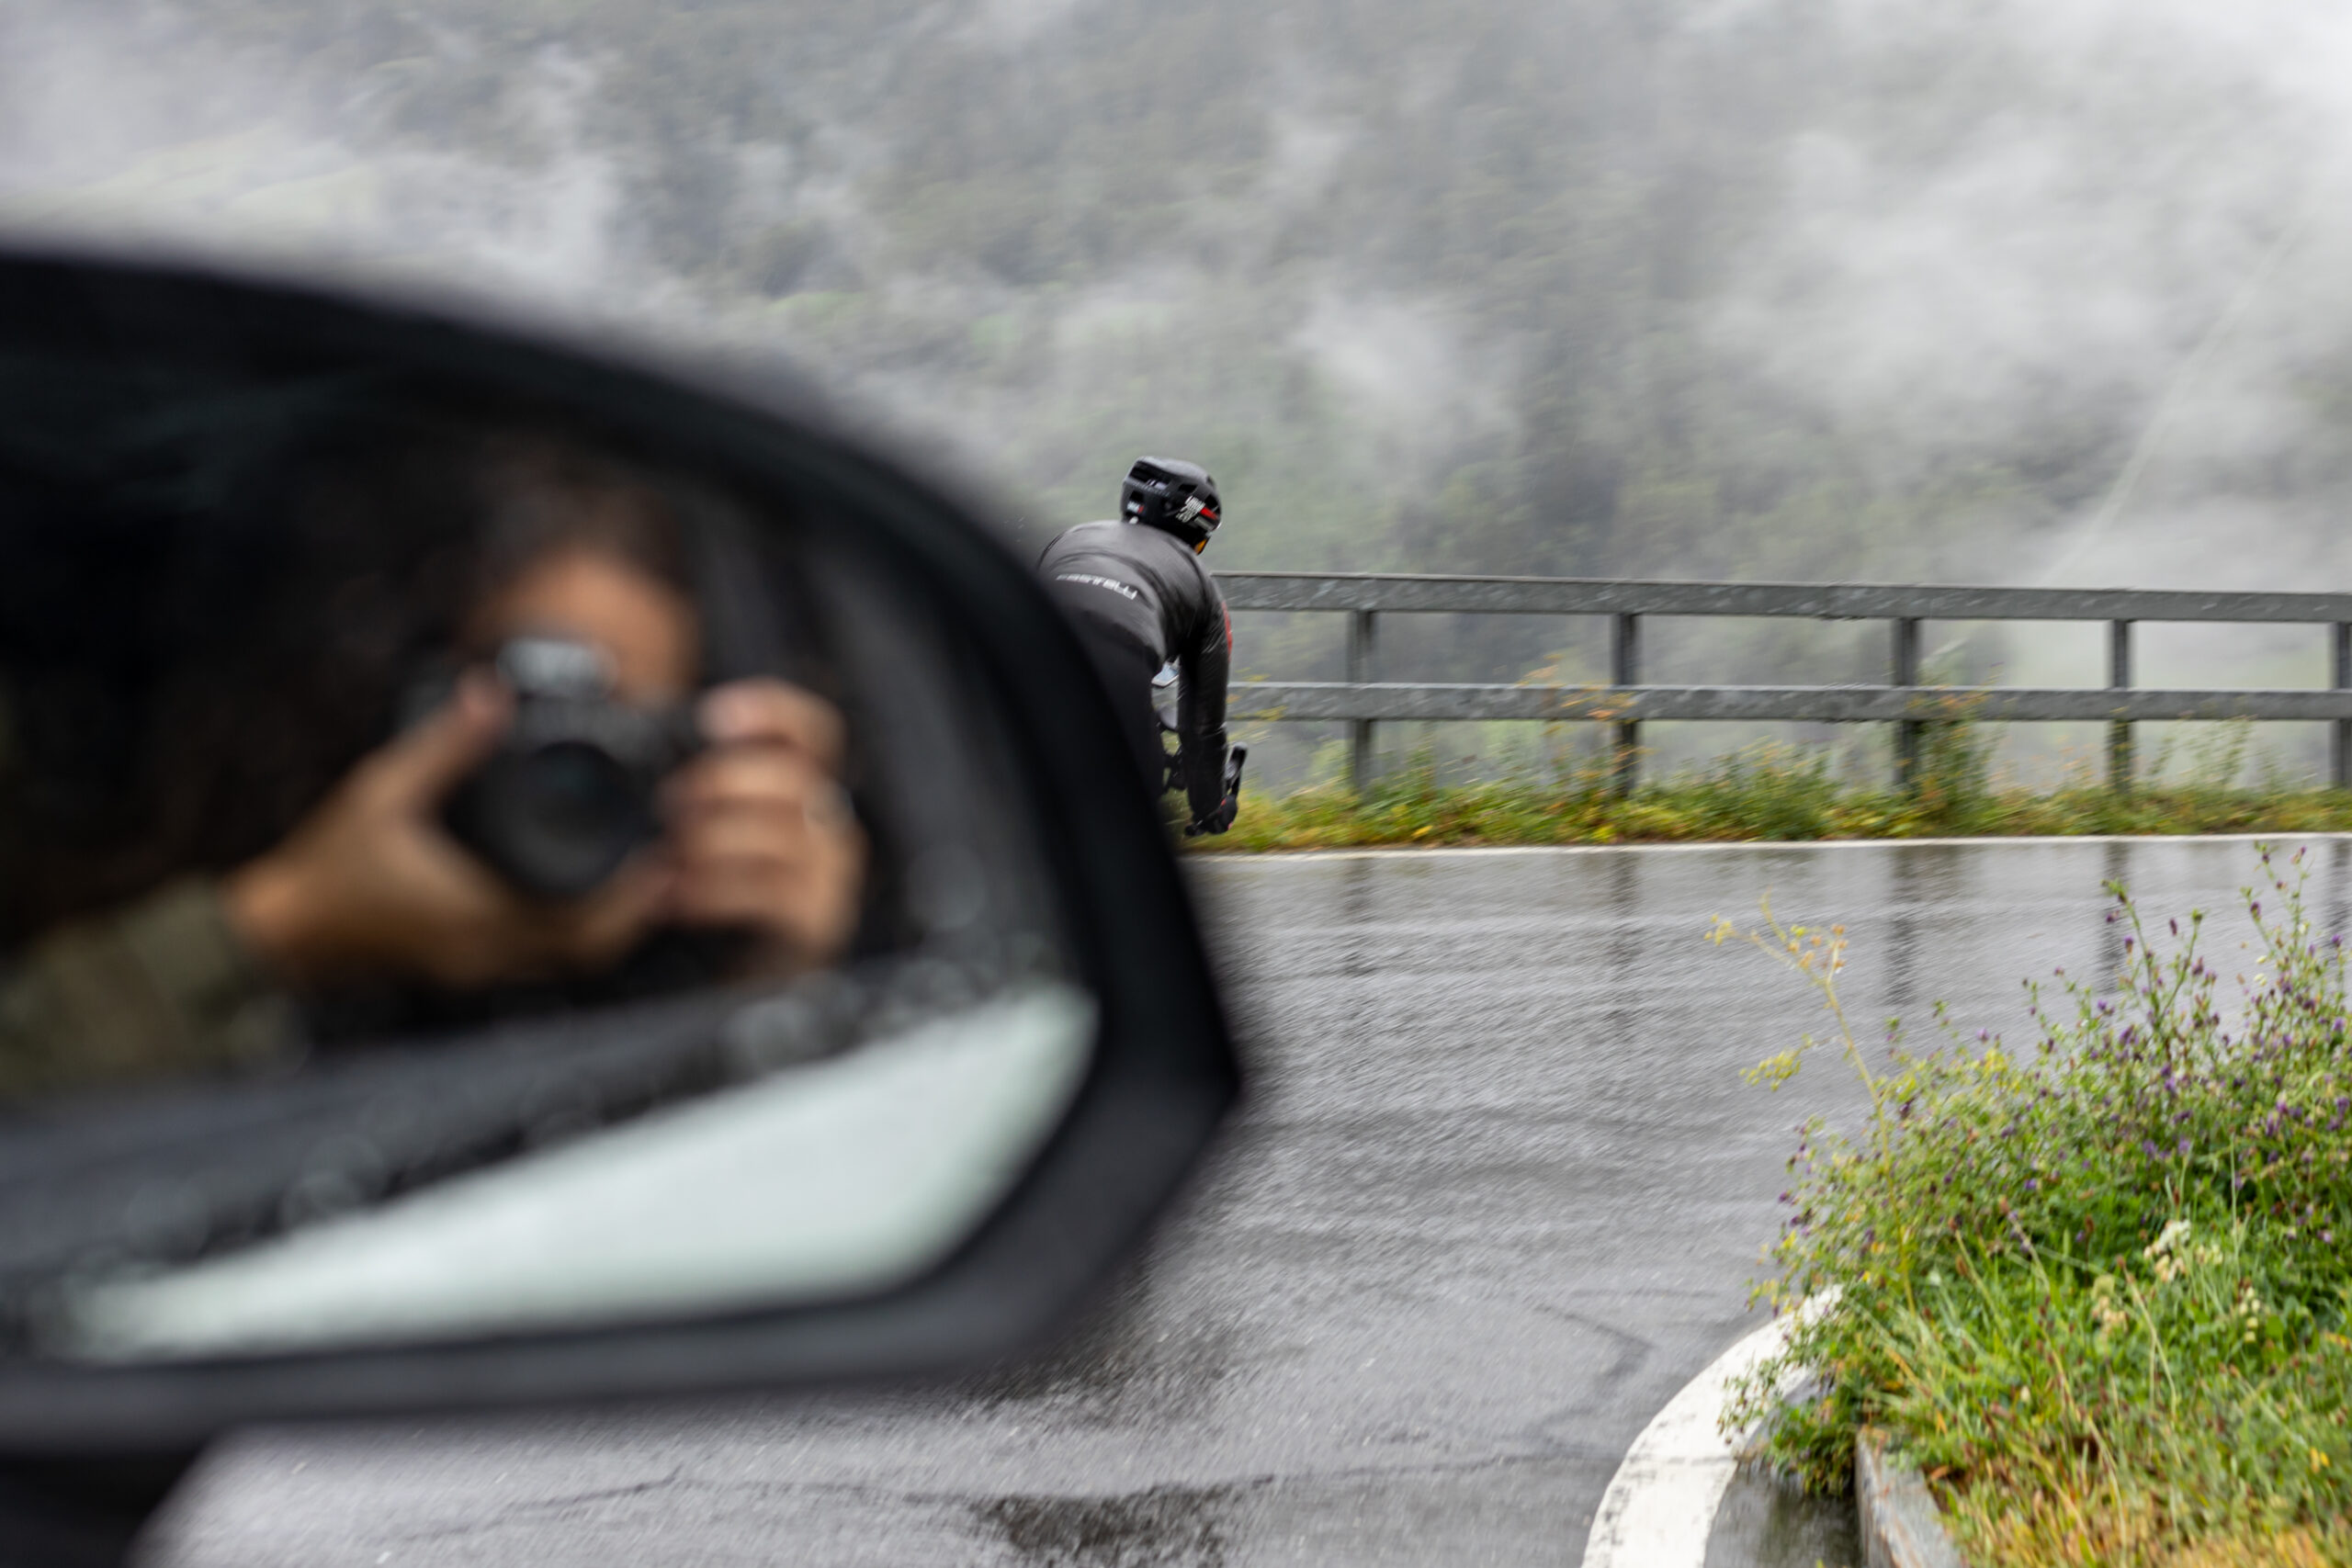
1137, 592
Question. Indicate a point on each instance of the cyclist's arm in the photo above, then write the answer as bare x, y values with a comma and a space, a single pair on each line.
1206, 665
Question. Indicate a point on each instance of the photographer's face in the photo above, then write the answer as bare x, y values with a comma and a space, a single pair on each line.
644, 626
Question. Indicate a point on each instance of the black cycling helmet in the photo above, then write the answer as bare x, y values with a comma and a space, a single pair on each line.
1172, 495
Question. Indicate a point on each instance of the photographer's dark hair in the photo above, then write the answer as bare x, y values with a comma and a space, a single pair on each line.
541, 494
166, 738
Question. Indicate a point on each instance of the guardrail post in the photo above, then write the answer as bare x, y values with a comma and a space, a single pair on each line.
1625, 670
1363, 650
1907, 730
2340, 752
2118, 732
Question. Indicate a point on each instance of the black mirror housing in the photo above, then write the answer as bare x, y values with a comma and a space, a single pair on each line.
1159, 1073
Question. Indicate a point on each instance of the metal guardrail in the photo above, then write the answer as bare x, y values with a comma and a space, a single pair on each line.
1361, 700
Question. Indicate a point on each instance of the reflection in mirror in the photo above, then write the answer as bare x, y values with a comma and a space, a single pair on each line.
462, 870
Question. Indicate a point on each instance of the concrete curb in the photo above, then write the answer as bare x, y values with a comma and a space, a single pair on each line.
1901, 1525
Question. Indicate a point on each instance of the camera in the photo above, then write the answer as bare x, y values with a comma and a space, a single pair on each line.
569, 794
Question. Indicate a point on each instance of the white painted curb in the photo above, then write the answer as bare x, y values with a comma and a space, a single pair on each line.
1660, 1507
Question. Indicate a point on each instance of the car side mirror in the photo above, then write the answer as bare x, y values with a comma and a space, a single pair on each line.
528, 877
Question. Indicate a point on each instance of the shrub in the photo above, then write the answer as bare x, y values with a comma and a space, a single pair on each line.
2097, 1290
1767, 791
1764, 791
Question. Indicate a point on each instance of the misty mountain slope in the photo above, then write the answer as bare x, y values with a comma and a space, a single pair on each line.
1794, 287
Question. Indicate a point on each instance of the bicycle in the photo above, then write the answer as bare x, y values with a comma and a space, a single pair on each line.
1163, 705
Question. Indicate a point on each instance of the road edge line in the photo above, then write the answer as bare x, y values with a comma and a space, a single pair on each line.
1701, 846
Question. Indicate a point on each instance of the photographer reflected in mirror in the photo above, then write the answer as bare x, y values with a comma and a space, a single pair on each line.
502, 837
562, 801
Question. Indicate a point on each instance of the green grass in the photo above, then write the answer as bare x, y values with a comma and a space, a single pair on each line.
2096, 1288
1767, 792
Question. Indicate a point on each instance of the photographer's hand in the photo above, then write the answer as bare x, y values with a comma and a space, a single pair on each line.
370, 886
761, 835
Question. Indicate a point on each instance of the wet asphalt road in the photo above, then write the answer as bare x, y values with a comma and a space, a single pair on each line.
1497, 1197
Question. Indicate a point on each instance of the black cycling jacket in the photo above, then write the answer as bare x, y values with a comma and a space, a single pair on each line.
1145, 587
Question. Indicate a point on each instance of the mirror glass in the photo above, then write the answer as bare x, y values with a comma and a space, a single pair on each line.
466, 869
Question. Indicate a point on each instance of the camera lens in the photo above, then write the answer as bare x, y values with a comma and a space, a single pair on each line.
579, 794
566, 815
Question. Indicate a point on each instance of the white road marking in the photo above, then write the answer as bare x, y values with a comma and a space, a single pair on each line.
1660, 1505
1719, 846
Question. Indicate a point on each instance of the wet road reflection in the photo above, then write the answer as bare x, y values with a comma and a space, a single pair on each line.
1766, 1522
1498, 1195
1166, 1524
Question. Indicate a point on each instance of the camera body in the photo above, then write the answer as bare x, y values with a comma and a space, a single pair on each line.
570, 794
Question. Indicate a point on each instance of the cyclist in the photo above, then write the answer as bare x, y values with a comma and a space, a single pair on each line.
1137, 592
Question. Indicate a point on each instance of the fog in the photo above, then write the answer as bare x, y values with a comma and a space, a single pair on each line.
2016, 292
2034, 219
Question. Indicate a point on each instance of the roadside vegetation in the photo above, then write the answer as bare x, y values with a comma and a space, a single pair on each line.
1777, 792
2097, 1286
